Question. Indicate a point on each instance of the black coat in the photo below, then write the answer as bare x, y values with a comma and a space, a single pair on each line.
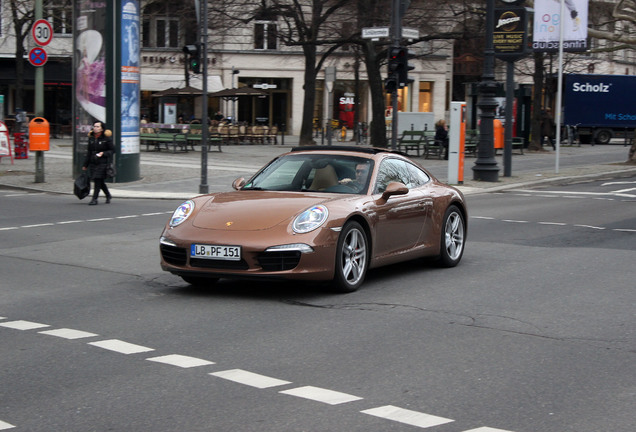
97, 165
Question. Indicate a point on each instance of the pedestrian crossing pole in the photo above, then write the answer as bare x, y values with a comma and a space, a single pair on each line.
39, 102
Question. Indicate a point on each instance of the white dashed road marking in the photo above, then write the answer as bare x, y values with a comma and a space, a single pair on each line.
5, 425
249, 378
413, 418
486, 429
68, 333
48, 224
321, 395
23, 325
121, 346
180, 360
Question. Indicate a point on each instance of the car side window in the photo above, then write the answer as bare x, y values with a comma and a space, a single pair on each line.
418, 177
392, 170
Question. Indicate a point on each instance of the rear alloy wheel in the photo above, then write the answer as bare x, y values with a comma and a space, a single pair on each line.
351, 258
453, 229
201, 282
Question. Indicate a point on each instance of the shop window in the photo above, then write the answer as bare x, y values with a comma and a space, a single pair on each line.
426, 96
265, 35
60, 13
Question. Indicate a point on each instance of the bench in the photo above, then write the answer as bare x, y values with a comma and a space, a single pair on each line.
157, 138
411, 140
194, 136
517, 144
433, 147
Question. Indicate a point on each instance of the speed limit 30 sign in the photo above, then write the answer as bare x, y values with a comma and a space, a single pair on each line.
42, 32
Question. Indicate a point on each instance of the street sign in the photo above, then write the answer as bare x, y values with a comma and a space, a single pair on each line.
37, 56
42, 32
375, 32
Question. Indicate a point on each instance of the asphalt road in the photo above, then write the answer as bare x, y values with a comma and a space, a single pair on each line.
534, 331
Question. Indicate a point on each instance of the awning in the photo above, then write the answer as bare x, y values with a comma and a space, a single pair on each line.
159, 82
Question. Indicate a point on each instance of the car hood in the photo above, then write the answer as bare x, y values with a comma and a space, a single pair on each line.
252, 210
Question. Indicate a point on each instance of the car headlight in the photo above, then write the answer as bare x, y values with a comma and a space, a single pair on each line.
310, 219
181, 213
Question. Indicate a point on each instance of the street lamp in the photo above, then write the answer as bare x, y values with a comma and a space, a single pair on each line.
234, 72
485, 167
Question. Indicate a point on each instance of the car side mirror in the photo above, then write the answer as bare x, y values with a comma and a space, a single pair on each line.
394, 188
238, 183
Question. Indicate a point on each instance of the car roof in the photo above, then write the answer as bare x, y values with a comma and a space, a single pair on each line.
347, 149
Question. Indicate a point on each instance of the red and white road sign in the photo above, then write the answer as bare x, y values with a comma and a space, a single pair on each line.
37, 56
42, 32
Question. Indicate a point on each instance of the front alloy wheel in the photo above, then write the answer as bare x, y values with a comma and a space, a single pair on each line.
351, 258
453, 237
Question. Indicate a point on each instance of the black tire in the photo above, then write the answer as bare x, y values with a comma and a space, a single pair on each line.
453, 237
602, 136
352, 258
200, 281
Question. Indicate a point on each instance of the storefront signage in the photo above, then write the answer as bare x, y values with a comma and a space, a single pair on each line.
510, 33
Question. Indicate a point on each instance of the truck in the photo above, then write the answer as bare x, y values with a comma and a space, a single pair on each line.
600, 107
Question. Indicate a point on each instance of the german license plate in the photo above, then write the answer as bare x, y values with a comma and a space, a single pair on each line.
218, 252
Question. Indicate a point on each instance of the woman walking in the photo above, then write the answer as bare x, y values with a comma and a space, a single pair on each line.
99, 156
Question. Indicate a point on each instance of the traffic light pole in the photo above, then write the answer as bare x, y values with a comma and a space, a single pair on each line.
396, 33
203, 39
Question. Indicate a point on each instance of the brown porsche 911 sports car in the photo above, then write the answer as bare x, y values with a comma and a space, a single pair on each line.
317, 213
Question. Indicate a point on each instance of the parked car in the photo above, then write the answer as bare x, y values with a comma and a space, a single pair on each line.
317, 213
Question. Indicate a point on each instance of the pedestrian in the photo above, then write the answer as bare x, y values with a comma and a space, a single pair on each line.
441, 136
99, 156
548, 127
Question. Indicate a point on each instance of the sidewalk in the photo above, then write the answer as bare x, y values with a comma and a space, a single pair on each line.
178, 176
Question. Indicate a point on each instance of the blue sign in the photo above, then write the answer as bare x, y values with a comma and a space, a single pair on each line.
37, 56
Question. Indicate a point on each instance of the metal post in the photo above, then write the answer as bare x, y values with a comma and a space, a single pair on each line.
510, 90
485, 167
396, 33
39, 103
203, 39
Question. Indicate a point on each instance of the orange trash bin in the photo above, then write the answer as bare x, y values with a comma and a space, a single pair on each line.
39, 134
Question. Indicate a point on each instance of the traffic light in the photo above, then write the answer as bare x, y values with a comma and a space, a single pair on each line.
193, 57
390, 84
399, 66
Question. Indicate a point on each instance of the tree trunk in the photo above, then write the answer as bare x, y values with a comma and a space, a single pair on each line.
309, 100
377, 129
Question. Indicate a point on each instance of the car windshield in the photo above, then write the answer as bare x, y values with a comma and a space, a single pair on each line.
314, 172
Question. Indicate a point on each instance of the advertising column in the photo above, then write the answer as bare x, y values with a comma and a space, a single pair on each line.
106, 80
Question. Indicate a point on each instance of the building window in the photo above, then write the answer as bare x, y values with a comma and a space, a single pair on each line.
161, 32
60, 14
426, 96
265, 35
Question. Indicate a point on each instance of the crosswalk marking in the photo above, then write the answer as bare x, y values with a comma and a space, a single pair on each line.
180, 360
121, 346
67, 333
321, 395
23, 325
250, 378
401, 415
5, 425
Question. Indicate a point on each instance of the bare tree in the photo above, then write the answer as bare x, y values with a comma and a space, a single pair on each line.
22, 17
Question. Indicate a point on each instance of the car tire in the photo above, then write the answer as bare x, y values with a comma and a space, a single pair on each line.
453, 237
602, 136
352, 258
200, 281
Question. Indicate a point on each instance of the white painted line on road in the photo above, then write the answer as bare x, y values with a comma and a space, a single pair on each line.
5, 425
590, 226
514, 221
121, 346
69, 222
321, 395
180, 360
624, 230
99, 219
155, 214
552, 223
250, 378
9, 228
67, 333
413, 418
23, 325
483, 217
37, 225
127, 217
487, 429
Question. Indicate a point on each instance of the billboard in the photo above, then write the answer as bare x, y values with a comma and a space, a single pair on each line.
548, 21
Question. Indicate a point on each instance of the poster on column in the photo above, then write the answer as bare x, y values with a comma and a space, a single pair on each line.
130, 77
548, 21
